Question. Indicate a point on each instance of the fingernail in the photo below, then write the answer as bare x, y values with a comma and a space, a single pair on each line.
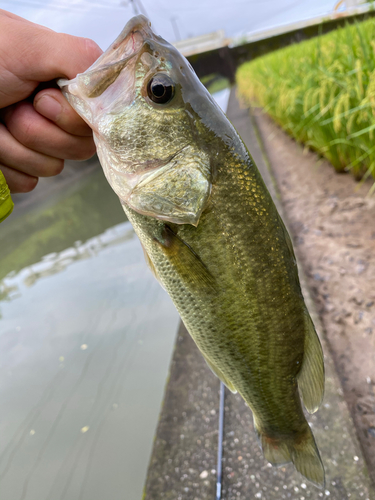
48, 107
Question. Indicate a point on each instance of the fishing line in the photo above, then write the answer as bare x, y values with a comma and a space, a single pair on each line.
219, 467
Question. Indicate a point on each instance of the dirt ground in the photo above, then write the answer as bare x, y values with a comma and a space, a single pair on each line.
332, 221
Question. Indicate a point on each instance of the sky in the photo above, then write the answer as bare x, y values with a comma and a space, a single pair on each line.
102, 20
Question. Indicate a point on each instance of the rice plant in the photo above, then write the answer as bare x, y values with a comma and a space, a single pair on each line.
322, 92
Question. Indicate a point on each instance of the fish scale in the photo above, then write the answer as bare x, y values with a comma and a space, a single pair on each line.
210, 231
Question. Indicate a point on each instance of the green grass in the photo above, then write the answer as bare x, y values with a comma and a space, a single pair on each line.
322, 92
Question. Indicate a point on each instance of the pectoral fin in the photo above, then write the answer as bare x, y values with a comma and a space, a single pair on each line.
189, 267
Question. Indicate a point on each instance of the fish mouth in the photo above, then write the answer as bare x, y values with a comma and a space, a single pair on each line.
112, 76
128, 45
135, 30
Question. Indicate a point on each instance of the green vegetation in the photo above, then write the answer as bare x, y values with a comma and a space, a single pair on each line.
322, 92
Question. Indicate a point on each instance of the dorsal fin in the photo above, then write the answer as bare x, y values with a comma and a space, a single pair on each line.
311, 376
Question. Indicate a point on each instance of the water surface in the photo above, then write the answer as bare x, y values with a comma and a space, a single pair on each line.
86, 335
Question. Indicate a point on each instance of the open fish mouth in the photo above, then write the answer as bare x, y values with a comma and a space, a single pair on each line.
121, 97
108, 67
112, 71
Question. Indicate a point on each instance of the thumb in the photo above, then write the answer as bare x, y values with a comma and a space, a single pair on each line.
60, 55
35, 53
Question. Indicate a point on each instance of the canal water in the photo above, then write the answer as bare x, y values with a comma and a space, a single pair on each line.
86, 338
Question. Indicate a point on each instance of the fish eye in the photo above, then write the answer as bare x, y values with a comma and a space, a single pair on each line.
160, 89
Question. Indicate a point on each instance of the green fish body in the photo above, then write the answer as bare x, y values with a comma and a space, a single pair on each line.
210, 231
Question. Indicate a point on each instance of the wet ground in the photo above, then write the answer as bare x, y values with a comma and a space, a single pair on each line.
86, 336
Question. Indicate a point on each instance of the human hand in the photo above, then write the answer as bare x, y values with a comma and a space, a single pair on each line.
39, 128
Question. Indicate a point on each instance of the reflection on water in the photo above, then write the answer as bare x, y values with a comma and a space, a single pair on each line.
56, 262
59, 217
86, 335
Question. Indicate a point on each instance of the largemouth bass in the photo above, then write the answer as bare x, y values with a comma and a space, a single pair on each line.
210, 231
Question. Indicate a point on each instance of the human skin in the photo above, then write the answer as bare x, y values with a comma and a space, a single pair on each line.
38, 127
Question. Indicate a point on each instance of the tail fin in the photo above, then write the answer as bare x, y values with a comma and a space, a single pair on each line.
306, 458
300, 450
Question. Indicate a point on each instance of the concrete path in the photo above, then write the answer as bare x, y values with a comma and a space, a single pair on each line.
183, 462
